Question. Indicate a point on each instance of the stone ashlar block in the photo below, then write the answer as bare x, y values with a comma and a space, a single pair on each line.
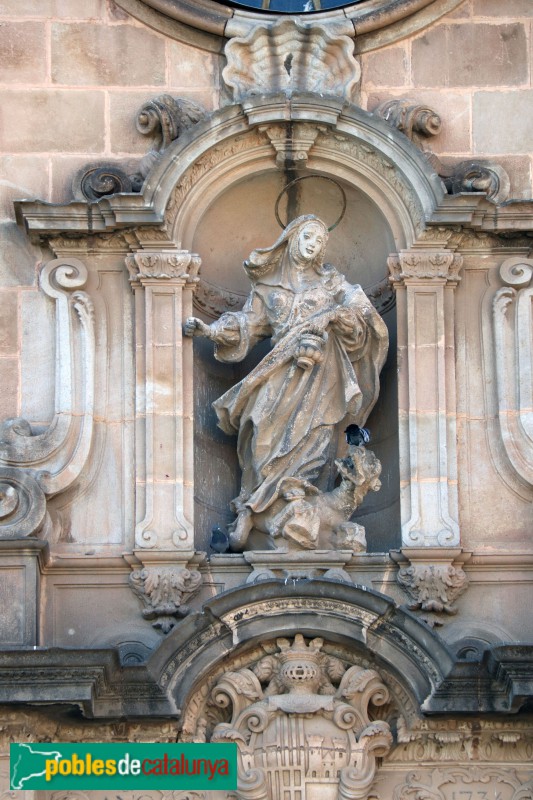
388, 67
503, 122
50, 9
120, 55
190, 68
510, 9
449, 55
25, 177
67, 121
22, 52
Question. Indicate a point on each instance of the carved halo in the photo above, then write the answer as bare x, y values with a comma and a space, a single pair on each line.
305, 178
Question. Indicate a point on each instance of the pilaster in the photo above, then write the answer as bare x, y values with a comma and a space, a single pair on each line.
163, 283
425, 281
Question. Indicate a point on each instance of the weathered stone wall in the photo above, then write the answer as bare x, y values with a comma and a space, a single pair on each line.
474, 68
73, 74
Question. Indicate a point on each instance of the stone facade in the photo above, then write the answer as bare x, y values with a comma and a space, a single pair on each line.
144, 155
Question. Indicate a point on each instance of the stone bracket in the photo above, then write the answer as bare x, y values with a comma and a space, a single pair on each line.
425, 281
163, 283
433, 578
513, 350
38, 464
292, 143
163, 583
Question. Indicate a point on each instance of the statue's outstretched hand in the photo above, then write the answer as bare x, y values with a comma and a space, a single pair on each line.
195, 327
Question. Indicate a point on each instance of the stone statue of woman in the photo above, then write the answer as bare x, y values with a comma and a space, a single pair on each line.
328, 347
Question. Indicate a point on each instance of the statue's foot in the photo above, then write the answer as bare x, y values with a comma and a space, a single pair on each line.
240, 531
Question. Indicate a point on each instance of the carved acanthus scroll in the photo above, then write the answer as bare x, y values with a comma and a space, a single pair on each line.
38, 463
513, 340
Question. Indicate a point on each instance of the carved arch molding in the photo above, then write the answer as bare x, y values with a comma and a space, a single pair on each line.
207, 23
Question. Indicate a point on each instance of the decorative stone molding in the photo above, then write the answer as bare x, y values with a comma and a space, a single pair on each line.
49, 462
424, 281
164, 118
513, 352
163, 283
290, 56
298, 566
207, 24
419, 123
274, 706
163, 590
474, 781
433, 578
431, 740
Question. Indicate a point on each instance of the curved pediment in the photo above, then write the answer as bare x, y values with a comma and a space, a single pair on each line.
356, 620
265, 134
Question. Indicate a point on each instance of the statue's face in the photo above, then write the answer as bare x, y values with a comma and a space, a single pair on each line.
310, 241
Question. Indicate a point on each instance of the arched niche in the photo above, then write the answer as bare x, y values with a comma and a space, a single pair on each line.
222, 206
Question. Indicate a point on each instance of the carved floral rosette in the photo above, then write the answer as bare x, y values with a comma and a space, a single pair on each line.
301, 722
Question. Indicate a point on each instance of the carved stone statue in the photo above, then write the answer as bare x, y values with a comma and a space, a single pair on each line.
328, 347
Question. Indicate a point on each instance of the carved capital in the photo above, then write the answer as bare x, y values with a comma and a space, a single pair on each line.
162, 590
433, 580
276, 58
413, 266
178, 266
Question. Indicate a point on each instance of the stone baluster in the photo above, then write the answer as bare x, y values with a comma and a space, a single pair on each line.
425, 282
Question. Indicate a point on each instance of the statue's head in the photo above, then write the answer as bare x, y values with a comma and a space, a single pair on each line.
309, 241
305, 239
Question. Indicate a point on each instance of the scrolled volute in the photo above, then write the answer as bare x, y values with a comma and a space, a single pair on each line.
479, 176
237, 689
410, 118
360, 687
22, 504
166, 117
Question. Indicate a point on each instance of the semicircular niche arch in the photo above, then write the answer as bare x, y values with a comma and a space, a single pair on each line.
217, 189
